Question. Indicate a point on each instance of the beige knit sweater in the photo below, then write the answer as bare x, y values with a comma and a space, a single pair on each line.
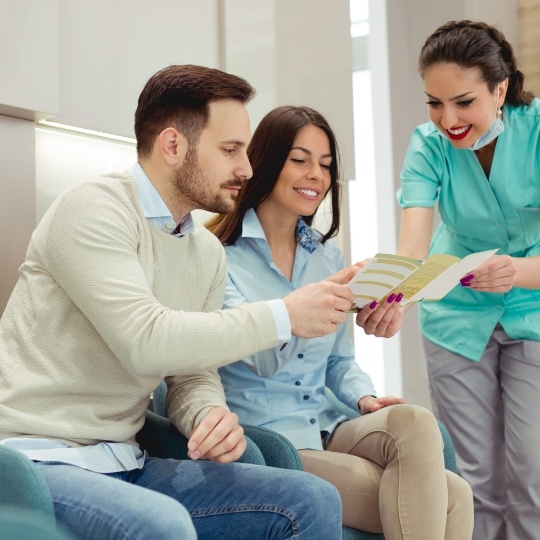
105, 307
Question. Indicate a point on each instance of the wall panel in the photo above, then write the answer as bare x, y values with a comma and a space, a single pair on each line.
529, 43
17, 198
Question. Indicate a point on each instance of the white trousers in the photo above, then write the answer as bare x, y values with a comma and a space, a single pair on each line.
491, 409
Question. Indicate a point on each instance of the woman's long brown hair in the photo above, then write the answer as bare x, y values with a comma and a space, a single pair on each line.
267, 152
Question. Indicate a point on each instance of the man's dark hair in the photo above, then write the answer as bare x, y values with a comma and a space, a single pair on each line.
178, 96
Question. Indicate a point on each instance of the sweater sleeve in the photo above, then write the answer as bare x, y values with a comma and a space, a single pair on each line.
190, 397
91, 241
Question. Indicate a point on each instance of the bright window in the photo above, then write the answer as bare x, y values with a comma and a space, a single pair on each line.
362, 190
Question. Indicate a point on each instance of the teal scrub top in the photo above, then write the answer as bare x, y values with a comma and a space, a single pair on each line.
478, 214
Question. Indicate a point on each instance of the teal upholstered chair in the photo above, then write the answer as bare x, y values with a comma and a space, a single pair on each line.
161, 439
277, 451
26, 510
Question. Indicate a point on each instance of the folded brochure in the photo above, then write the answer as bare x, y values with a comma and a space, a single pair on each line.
431, 279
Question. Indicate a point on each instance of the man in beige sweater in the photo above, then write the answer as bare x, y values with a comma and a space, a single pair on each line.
120, 289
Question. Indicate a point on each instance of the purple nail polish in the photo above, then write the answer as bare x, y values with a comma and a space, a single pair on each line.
391, 298
399, 297
465, 284
373, 304
467, 278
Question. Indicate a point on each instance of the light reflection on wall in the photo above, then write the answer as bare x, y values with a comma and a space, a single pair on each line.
64, 159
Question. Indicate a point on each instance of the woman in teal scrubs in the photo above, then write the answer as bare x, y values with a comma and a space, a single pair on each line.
479, 157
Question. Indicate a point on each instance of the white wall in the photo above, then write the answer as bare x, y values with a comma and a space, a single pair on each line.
109, 49
84, 63
17, 198
296, 53
29, 90
29, 58
64, 159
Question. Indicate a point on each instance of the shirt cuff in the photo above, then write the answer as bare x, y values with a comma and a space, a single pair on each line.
282, 320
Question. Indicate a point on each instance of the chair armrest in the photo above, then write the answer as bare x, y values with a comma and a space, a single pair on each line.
355, 534
339, 406
22, 485
160, 438
276, 449
159, 400
449, 450
17, 524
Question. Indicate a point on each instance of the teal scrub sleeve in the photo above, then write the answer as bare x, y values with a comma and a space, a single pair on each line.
422, 169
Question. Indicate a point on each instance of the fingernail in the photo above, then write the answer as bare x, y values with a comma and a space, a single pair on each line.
465, 284
391, 298
373, 304
399, 297
195, 455
467, 278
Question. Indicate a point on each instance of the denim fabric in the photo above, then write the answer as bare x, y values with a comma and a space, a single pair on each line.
194, 499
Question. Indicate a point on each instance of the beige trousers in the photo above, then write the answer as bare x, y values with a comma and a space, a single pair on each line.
389, 469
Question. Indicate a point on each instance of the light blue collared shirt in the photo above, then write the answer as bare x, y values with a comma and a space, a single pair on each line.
284, 389
153, 207
105, 457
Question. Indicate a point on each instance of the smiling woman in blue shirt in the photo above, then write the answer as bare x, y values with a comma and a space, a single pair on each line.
479, 157
387, 464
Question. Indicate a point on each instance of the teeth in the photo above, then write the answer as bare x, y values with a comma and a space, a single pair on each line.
458, 131
308, 192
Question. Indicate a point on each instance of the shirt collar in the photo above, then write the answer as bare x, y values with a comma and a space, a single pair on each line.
306, 238
153, 206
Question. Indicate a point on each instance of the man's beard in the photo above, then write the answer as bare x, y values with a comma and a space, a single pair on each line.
192, 184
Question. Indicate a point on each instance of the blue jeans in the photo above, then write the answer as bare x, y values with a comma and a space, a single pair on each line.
186, 500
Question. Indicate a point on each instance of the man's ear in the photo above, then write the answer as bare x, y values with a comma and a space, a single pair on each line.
173, 146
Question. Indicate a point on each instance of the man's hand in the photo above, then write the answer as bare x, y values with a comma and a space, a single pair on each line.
369, 404
219, 437
497, 274
316, 309
382, 320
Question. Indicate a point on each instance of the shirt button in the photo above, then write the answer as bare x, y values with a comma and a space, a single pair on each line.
306, 397
312, 421
300, 355
297, 383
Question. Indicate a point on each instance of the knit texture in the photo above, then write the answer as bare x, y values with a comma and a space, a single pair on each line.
105, 307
